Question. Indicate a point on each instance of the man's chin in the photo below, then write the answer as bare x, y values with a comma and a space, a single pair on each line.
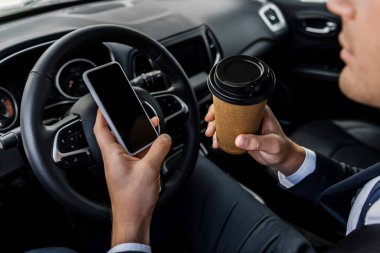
347, 85
344, 82
354, 89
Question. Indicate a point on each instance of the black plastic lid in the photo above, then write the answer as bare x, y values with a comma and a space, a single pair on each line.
241, 80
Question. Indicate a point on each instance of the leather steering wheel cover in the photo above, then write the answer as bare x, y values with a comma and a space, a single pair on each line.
38, 87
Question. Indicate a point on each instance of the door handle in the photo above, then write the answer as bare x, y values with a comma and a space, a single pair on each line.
327, 29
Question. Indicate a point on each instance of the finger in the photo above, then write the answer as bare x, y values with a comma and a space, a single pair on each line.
215, 144
268, 143
102, 133
266, 121
269, 123
158, 151
268, 113
211, 128
155, 121
210, 116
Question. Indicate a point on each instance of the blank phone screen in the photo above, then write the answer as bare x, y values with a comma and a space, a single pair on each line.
123, 107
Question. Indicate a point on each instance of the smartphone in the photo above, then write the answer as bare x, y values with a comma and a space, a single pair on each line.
121, 107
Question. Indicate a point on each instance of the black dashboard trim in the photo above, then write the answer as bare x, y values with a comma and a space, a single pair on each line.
25, 50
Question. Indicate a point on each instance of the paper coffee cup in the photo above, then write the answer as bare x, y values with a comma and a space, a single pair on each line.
241, 86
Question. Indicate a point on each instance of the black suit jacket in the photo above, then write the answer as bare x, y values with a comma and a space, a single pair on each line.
334, 186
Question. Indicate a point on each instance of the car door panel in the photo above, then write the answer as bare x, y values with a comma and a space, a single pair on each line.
311, 65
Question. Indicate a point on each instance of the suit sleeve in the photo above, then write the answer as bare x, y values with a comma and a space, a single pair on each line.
327, 173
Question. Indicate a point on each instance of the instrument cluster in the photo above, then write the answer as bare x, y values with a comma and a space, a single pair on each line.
68, 82
8, 110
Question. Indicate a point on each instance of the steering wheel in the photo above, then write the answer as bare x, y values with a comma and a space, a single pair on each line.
40, 139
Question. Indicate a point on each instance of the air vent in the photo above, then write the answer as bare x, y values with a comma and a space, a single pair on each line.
141, 64
213, 46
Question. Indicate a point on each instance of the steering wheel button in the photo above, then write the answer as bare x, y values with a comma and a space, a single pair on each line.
71, 138
78, 160
65, 163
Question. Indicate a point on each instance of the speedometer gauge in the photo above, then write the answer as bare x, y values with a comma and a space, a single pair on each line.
8, 110
69, 79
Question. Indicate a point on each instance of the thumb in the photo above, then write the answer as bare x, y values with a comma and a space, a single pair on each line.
267, 143
158, 151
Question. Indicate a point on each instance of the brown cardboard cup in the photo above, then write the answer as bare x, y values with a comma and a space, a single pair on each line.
241, 86
232, 120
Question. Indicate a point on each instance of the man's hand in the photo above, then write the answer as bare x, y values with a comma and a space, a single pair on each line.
133, 183
271, 147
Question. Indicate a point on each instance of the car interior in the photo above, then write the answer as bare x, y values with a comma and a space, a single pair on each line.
52, 185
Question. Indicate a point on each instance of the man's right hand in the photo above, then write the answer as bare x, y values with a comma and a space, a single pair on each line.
133, 183
271, 147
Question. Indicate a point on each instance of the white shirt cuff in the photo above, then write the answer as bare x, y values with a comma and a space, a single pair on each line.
307, 167
130, 247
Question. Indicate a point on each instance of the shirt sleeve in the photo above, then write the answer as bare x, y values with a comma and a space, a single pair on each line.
135, 247
307, 167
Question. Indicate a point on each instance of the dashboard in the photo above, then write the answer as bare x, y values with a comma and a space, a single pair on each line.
197, 33
196, 51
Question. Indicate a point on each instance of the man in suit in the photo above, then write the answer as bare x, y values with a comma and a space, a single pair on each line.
217, 214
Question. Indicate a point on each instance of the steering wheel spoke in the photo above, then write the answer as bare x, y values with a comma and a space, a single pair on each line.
53, 128
172, 106
70, 148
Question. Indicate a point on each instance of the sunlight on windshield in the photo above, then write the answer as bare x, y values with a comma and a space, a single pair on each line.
5, 4
14, 6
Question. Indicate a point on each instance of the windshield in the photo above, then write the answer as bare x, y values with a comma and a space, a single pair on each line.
10, 4
9, 7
